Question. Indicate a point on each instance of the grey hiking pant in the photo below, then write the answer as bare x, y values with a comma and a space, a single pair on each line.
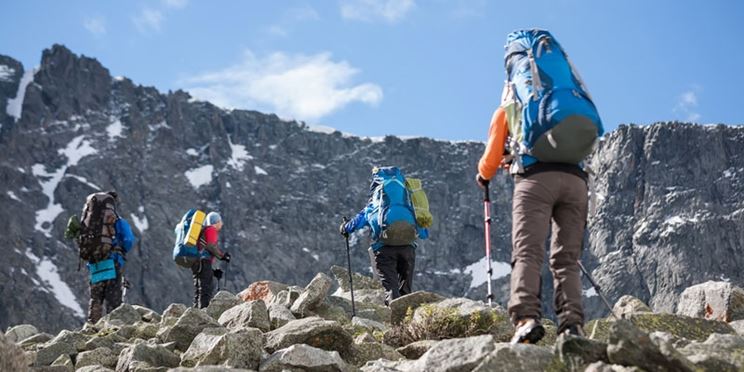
394, 266
203, 286
539, 199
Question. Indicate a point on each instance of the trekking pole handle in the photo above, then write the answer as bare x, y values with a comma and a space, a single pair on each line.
487, 194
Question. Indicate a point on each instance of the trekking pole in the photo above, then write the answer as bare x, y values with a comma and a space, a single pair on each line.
351, 281
487, 223
598, 289
224, 275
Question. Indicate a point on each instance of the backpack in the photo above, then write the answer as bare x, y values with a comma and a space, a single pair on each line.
553, 117
420, 202
97, 227
185, 251
390, 213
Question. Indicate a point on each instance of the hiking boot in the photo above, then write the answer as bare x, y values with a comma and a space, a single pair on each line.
529, 331
573, 330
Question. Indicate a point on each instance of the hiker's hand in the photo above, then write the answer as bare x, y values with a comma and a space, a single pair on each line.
218, 274
342, 229
226, 257
506, 161
482, 182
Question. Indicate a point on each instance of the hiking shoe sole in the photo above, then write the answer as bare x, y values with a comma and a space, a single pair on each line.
528, 335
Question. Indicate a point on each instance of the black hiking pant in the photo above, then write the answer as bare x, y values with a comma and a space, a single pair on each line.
108, 291
394, 265
203, 285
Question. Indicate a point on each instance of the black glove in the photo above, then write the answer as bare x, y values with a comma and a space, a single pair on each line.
342, 229
218, 274
226, 257
482, 182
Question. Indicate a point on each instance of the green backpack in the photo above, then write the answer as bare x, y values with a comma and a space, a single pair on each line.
420, 202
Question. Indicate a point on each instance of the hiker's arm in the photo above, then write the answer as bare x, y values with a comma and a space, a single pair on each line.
494, 153
357, 222
211, 238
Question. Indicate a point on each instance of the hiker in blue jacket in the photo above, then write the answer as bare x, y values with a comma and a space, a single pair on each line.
107, 276
393, 230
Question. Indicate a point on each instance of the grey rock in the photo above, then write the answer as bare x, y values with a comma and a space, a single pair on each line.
578, 352
190, 324
369, 310
105, 341
516, 358
66, 342
361, 282
362, 352
279, 315
239, 348
367, 324
20, 332
221, 302
123, 315
604, 367
147, 315
94, 369
713, 300
717, 351
265, 290
209, 369
629, 346
329, 311
12, 358
627, 305
142, 355
738, 326
401, 305
65, 361
314, 331
172, 313
454, 355
306, 358
102, 356
416, 349
247, 314
313, 295
364, 337
144, 330
39, 338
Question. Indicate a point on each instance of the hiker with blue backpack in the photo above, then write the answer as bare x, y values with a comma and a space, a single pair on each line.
549, 124
395, 224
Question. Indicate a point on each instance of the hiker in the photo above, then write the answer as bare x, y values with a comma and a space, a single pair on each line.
546, 150
208, 251
393, 230
104, 238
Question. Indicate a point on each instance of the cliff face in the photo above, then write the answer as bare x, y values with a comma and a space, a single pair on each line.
669, 213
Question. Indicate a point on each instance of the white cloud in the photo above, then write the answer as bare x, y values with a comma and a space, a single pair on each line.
148, 20
468, 9
95, 25
291, 18
299, 86
372, 10
176, 4
686, 107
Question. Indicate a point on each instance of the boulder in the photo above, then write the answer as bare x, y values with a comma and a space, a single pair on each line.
367, 325
264, 290
279, 315
578, 352
102, 356
365, 351
304, 358
367, 310
400, 306
361, 282
66, 342
680, 326
209, 369
144, 331
713, 300
628, 304
190, 324
238, 348
64, 361
516, 358
364, 337
314, 331
221, 302
738, 326
172, 313
34, 340
125, 314
330, 312
106, 340
247, 314
716, 352
315, 292
604, 367
20, 332
12, 357
629, 346
142, 355
147, 315
454, 355
94, 369
416, 349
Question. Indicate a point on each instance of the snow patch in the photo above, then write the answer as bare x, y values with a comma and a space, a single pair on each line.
52, 282
260, 171
673, 223
591, 292
6, 73
239, 155
200, 176
313, 255
13, 196
320, 129
272, 147
84, 181
114, 129
141, 223
119, 78
192, 152
15, 105
478, 271
162, 125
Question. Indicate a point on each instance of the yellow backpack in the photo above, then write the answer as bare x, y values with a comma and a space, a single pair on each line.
420, 202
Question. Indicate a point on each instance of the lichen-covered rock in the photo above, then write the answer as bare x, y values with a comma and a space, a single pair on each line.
34, 340
604, 367
364, 309
142, 355
123, 315
738, 326
190, 324
144, 331
578, 352
366, 351
247, 314
12, 357
238, 348
66, 342
629, 346
454, 355
64, 361
708, 354
279, 315
361, 282
330, 312
264, 290
94, 369
400, 306
314, 331
415, 350
304, 357
101, 356
172, 313
713, 300
20, 332
315, 292
221, 302
516, 358
106, 340
677, 325
628, 304
147, 315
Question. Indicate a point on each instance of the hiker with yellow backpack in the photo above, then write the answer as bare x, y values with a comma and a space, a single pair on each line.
397, 214
549, 124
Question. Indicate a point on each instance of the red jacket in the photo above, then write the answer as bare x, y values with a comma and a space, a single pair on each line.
208, 244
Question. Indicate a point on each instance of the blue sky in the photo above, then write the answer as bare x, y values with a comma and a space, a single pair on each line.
405, 67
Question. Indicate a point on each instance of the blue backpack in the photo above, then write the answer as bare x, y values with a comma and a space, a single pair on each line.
390, 213
185, 251
554, 119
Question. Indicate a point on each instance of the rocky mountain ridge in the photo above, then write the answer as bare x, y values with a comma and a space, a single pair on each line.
670, 206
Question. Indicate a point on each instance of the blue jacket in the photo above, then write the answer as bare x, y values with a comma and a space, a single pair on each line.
360, 221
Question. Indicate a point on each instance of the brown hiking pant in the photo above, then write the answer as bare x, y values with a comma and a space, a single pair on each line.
539, 199
108, 291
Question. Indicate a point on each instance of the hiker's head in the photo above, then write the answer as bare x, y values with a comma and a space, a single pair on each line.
214, 219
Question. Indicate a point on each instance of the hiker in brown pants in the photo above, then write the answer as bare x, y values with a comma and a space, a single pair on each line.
544, 193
